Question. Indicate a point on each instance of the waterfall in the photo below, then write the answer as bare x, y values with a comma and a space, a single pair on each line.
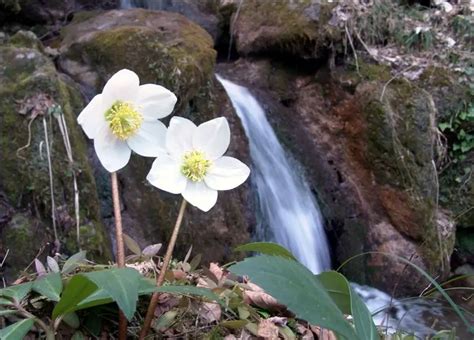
148, 4
287, 208
289, 214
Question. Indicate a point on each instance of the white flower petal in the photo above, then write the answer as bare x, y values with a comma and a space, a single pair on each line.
212, 137
226, 173
179, 137
150, 139
155, 101
165, 174
122, 86
92, 117
113, 153
200, 195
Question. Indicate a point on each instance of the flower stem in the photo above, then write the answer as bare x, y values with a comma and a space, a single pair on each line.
120, 247
159, 281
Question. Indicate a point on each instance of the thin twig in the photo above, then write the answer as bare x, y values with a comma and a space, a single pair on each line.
120, 247
231, 39
159, 281
356, 59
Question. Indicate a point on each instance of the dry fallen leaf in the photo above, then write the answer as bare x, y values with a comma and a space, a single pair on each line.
210, 312
262, 300
267, 329
322, 333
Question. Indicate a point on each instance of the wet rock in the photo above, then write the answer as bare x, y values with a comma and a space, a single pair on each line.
293, 28
32, 95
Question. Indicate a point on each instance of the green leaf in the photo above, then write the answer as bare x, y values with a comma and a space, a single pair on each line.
52, 264
17, 331
337, 289
444, 126
77, 289
16, 292
73, 262
132, 245
294, 285
72, 320
121, 284
349, 303
267, 248
49, 285
78, 336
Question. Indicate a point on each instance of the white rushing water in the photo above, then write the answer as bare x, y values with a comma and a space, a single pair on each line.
287, 206
288, 210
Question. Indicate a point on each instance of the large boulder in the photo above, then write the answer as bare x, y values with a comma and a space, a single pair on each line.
33, 96
161, 47
168, 49
367, 150
298, 28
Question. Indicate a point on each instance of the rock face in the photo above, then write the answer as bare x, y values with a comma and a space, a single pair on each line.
368, 158
287, 27
32, 98
168, 49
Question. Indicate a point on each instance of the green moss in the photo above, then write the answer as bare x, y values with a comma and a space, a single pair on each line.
26, 39
29, 80
296, 28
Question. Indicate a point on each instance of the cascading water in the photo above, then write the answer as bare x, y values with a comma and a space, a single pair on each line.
148, 4
287, 207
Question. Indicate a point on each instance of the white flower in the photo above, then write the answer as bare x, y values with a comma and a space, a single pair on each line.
194, 165
124, 117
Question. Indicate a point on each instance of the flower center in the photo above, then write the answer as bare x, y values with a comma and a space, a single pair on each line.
123, 119
195, 165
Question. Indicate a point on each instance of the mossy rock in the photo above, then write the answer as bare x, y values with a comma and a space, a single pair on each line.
32, 95
400, 124
298, 28
162, 48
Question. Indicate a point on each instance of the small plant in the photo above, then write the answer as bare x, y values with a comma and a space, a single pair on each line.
462, 139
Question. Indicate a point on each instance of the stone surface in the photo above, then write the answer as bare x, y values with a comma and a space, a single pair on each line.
287, 27
31, 94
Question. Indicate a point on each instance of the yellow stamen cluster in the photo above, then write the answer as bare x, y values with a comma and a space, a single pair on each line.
123, 119
195, 165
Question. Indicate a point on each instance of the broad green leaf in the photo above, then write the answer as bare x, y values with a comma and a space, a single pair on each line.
350, 303
337, 289
17, 331
16, 292
294, 285
73, 262
4, 312
151, 250
77, 289
49, 285
132, 245
121, 284
267, 248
